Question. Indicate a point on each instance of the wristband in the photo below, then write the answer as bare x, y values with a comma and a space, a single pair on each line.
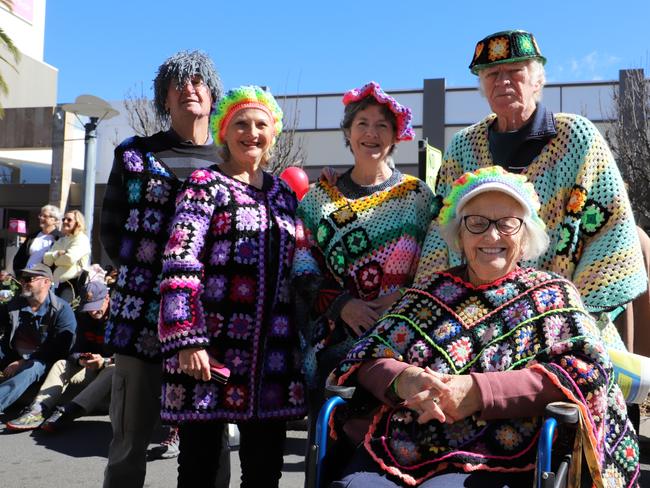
391, 392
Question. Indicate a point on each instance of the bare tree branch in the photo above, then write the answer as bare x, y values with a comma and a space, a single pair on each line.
141, 115
289, 149
629, 139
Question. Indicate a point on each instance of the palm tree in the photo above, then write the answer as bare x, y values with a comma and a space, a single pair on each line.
7, 43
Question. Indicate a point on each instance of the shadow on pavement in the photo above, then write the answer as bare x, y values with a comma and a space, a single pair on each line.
85, 438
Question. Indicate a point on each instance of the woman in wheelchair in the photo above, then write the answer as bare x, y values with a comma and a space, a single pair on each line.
453, 380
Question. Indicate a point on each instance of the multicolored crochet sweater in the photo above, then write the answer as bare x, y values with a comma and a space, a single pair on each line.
226, 288
584, 205
364, 247
527, 319
136, 214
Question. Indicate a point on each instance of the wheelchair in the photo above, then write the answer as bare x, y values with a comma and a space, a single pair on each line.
552, 470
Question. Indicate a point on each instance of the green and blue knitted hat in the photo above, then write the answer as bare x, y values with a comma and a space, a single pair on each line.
240, 98
505, 47
491, 178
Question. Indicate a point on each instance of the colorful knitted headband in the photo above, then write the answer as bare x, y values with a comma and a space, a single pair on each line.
248, 96
402, 113
492, 178
505, 47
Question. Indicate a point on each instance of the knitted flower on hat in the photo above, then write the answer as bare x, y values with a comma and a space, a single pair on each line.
243, 97
491, 178
402, 113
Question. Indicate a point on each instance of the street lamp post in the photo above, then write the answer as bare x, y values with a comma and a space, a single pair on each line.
96, 110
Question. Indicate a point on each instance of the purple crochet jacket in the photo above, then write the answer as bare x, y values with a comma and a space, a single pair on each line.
225, 287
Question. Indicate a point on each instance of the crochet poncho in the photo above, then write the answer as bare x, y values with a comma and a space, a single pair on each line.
584, 205
527, 319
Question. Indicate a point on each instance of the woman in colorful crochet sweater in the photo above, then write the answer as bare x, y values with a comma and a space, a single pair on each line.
455, 378
361, 237
226, 301
584, 203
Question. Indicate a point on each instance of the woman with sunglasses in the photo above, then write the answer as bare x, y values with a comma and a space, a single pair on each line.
458, 372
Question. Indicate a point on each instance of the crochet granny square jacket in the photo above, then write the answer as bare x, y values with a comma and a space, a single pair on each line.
226, 288
136, 214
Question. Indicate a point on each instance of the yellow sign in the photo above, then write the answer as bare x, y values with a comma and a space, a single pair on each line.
433, 163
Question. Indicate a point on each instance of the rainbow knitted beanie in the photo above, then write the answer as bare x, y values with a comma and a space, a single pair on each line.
240, 98
491, 178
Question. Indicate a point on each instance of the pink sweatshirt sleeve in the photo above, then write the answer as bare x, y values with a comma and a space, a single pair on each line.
520, 393
377, 375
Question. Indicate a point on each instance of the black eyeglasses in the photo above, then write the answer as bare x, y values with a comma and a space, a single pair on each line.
507, 226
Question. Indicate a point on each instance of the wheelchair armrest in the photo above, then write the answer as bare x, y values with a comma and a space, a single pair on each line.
564, 413
557, 412
345, 392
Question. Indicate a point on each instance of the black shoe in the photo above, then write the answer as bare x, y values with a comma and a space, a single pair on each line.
59, 420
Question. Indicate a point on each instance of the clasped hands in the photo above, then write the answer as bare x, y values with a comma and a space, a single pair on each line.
443, 397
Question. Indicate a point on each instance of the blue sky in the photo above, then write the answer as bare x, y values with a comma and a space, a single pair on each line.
106, 48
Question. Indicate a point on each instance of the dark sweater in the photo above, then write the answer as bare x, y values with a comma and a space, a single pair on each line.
515, 150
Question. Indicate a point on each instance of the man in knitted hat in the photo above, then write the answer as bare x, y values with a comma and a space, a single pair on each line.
583, 199
136, 213
36, 328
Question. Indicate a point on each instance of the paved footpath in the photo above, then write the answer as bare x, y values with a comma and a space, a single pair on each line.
77, 458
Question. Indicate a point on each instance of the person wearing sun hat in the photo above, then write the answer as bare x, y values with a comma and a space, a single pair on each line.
452, 384
593, 239
226, 301
359, 238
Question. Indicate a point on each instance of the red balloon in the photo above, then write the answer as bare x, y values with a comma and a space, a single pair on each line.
297, 180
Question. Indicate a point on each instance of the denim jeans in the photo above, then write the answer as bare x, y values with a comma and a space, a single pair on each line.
11, 388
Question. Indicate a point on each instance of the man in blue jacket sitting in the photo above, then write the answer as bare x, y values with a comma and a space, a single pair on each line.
37, 328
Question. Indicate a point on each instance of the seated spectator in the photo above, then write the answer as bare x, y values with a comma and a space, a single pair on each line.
32, 250
87, 372
70, 257
37, 329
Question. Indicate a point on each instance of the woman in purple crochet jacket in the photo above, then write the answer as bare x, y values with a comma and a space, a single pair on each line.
226, 301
